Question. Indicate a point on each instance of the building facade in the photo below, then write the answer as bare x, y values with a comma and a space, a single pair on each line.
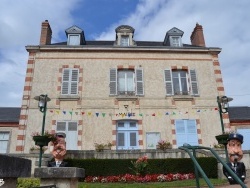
127, 92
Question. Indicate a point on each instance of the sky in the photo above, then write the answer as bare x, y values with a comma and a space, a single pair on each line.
226, 24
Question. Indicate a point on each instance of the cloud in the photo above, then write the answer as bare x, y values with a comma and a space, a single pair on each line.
225, 25
20, 26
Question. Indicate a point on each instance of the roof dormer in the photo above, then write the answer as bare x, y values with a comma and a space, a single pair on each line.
173, 37
75, 36
124, 36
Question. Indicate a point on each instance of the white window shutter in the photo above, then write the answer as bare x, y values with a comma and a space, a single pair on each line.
74, 81
65, 81
113, 82
168, 82
194, 82
139, 82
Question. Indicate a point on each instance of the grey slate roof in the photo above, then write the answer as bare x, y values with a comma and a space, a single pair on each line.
239, 113
138, 44
9, 114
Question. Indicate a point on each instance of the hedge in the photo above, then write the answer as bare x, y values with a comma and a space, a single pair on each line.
110, 167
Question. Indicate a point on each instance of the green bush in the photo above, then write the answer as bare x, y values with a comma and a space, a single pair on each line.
109, 167
28, 182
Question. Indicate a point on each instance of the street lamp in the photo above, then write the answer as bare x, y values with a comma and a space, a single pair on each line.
42, 104
223, 104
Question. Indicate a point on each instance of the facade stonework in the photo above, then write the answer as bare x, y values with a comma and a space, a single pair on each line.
95, 115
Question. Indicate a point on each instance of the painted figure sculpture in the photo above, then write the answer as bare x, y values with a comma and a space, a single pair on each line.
59, 151
235, 154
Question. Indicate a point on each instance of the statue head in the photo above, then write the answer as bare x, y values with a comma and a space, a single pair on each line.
234, 143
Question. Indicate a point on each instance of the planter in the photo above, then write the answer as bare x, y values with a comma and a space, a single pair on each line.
222, 139
41, 140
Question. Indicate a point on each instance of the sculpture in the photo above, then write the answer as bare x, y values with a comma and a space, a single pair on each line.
59, 151
235, 154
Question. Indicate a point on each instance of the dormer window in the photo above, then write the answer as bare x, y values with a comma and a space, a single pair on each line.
125, 40
75, 36
173, 37
73, 39
175, 41
124, 36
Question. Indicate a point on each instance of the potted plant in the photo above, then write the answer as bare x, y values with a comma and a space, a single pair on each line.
101, 147
43, 140
222, 138
163, 145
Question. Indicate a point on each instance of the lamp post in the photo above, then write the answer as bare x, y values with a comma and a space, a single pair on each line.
42, 104
223, 104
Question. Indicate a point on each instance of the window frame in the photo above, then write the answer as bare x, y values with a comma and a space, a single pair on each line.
67, 84
76, 42
124, 41
175, 41
67, 132
126, 131
138, 82
191, 82
5, 140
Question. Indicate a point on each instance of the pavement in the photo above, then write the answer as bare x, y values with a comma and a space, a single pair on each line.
247, 183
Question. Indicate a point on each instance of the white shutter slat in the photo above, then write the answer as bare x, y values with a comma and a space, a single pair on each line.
65, 81
113, 82
194, 82
139, 82
168, 82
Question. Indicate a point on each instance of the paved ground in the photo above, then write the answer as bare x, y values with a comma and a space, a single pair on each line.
247, 183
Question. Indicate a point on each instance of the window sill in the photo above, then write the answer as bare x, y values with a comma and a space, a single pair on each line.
183, 98
126, 98
69, 97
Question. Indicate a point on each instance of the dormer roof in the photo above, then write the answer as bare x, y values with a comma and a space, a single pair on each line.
175, 32
76, 30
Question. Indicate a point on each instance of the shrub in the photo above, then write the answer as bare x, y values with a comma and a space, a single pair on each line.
28, 182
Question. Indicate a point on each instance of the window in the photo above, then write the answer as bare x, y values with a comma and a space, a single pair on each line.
73, 39
176, 41
4, 140
246, 134
152, 139
186, 132
70, 82
126, 82
127, 135
70, 129
179, 82
124, 40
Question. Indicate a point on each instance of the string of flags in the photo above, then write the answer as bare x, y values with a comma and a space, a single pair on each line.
130, 114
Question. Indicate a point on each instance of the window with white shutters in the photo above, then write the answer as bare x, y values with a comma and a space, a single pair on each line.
186, 132
179, 82
4, 140
70, 129
127, 135
73, 39
126, 82
70, 82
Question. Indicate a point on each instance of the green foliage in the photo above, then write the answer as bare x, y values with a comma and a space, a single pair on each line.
140, 166
28, 182
109, 167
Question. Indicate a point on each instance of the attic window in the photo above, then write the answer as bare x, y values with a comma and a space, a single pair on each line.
125, 40
124, 36
73, 39
175, 41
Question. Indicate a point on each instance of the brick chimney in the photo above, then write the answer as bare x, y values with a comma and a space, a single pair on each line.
46, 33
197, 37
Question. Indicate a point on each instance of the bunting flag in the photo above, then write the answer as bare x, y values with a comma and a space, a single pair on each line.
157, 114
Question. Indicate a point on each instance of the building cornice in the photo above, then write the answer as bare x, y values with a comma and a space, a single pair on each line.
65, 48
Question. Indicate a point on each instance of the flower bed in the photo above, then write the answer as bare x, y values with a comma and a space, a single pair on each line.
128, 178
